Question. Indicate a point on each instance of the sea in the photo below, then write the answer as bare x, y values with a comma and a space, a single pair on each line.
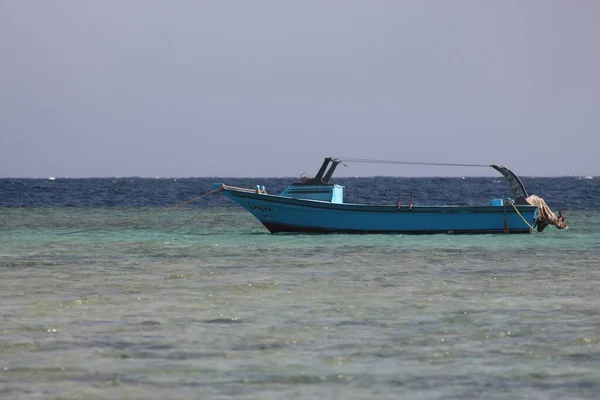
116, 288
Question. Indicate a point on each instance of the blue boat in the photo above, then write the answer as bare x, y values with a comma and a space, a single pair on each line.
316, 206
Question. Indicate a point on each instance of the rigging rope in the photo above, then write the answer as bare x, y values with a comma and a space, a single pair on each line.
366, 160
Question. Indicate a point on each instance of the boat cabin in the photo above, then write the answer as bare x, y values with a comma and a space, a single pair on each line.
318, 188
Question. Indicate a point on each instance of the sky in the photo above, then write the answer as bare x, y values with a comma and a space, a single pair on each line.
193, 88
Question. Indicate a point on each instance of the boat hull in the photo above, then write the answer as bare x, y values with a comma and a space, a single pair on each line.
286, 214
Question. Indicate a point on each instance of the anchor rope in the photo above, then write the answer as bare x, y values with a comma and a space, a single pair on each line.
216, 212
141, 218
371, 161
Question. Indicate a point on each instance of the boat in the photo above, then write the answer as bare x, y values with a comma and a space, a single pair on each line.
315, 205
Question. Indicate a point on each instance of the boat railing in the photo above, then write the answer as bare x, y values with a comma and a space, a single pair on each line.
259, 189
405, 198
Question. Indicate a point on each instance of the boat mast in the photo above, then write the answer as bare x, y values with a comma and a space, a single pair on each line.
322, 177
318, 178
515, 183
334, 164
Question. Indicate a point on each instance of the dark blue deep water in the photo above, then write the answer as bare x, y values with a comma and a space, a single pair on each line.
567, 193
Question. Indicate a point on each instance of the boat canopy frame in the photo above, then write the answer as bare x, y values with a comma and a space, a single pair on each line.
330, 164
323, 175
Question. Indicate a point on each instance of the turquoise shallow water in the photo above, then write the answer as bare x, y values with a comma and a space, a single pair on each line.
234, 312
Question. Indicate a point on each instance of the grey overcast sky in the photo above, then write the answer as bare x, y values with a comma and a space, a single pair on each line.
268, 88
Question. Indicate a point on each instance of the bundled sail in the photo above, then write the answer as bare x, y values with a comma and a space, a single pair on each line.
545, 216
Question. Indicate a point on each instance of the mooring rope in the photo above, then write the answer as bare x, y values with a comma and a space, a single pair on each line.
523, 218
198, 213
366, 160
186, 222
149, 215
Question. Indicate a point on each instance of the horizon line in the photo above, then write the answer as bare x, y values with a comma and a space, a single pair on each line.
292, 177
